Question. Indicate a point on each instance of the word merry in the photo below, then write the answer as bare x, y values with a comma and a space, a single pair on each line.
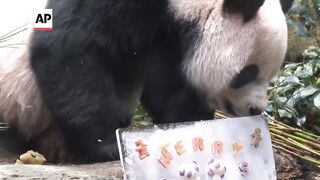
166, 157
197, 144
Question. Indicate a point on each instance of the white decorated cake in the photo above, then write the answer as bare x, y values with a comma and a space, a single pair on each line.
228, 149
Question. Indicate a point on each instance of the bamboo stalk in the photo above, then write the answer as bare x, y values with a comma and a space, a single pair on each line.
297, 144
306, 158
299, 139
289, 128
293, 149
291, 144
297, 133
306, 136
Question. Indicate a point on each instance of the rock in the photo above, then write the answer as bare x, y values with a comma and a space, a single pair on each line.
286, 166
101, 171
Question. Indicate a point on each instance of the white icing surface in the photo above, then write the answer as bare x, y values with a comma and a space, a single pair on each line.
260, 160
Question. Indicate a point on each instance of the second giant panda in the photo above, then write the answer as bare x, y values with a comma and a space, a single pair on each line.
75, 85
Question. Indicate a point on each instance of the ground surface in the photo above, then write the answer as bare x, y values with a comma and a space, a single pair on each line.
287, 168
101, 171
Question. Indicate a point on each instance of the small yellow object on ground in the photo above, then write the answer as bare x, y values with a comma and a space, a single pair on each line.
31, 157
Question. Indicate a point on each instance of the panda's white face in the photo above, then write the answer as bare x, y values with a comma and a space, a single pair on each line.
226, 45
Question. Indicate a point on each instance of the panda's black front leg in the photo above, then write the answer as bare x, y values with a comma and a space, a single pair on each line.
87, 96
166, 94
181, 106
187, 105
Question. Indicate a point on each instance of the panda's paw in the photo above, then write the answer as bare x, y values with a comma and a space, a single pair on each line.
216, 167
52, 145
108, 152
189, 171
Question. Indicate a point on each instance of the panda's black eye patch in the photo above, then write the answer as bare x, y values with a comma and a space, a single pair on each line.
245, 76
248, 8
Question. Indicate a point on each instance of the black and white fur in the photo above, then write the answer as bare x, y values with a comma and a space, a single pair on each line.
183, 58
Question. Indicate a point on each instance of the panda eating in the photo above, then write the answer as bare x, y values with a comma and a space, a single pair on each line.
75, 85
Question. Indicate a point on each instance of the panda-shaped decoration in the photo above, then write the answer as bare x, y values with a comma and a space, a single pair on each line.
76, 84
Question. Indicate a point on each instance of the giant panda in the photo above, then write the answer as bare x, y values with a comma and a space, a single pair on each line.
75, 85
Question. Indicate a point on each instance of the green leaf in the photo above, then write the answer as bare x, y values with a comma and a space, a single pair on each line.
270, 108
288, 72
298, 91
318, 82
286, 88
291, 102
292, 80
292, 66
281, 78
284, 113
308, 67
312, 48
312, 54
316, 101
144, 123
308, 91
292, 111
281, 100
138, 117
304, 72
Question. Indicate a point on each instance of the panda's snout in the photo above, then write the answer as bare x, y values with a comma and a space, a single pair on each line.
255, 111
250, 100
238, 111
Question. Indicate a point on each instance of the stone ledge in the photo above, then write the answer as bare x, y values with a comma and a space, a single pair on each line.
288, 167
101, 171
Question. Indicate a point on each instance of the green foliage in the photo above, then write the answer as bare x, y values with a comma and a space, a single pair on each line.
295, 95
141, 117
304, 17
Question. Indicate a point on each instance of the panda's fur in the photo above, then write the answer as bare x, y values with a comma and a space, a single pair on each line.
183, 58
21, 103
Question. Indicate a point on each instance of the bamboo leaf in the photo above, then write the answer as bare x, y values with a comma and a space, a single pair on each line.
316, 101
308, 91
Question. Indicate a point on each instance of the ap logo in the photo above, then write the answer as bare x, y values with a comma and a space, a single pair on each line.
43, 20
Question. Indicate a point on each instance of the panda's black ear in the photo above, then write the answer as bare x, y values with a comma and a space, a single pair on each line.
248, 8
